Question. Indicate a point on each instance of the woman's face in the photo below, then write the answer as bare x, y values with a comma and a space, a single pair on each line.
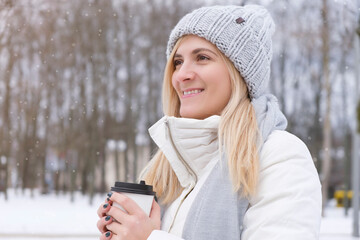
201, 78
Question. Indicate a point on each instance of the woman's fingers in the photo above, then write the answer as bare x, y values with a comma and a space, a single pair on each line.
118, 214
127, 222
103, 209
103, 222
127, 203
155, 213
118, 230
107, 235
105, 219
135, 224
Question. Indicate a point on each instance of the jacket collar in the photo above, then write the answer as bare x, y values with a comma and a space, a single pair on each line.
188, 144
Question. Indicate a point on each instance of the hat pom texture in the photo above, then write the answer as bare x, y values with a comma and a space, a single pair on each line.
246, 43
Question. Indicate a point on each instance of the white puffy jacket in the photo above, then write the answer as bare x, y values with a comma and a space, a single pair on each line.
288, 201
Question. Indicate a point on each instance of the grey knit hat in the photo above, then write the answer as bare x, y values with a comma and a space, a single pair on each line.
243, 34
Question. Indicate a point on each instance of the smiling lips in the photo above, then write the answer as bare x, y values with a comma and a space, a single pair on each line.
191, 92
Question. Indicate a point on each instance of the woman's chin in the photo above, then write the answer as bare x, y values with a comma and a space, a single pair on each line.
193, 114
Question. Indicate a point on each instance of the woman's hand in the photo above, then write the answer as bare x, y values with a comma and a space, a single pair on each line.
104, 219
133, 224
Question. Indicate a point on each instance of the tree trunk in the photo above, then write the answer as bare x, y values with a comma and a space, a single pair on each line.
136, 161
6, 127
326, 166
103, 170
117, 163
131, 83
126, 161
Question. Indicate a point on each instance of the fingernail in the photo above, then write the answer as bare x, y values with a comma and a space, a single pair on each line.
107, 234
108, 199
105, 205
109, 194
107, 218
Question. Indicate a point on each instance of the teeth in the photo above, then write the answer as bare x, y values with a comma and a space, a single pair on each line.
192, 92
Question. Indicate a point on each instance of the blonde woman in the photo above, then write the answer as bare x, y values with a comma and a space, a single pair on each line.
225, 168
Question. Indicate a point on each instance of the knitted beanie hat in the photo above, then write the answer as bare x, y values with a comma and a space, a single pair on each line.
242, 33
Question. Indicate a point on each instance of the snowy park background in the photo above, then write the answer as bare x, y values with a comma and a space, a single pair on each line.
80, 84
55, 217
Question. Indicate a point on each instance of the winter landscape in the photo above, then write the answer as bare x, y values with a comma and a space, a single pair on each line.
80, 84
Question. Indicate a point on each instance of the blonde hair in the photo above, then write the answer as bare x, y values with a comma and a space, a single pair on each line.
237, 126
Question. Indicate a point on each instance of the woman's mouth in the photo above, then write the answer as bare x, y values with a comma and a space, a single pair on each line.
193, 92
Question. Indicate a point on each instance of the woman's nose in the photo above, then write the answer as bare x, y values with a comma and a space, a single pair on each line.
185, 72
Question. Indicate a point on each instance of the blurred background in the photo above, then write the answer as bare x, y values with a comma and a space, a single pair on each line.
80, 84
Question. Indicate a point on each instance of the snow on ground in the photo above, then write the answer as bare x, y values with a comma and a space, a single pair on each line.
57, 218
335, 225
45, 216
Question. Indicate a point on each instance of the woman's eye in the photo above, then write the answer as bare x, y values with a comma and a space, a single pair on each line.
203, 57
177, 62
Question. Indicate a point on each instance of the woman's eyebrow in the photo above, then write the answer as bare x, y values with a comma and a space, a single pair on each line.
196, 51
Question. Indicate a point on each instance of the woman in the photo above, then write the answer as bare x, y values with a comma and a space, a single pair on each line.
225, 169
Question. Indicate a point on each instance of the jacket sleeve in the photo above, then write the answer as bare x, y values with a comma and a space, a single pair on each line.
288, 201
162, 235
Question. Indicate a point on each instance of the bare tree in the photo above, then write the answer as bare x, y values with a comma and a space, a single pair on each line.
326, 166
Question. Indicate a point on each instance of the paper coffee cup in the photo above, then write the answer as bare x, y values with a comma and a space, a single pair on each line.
141, 193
